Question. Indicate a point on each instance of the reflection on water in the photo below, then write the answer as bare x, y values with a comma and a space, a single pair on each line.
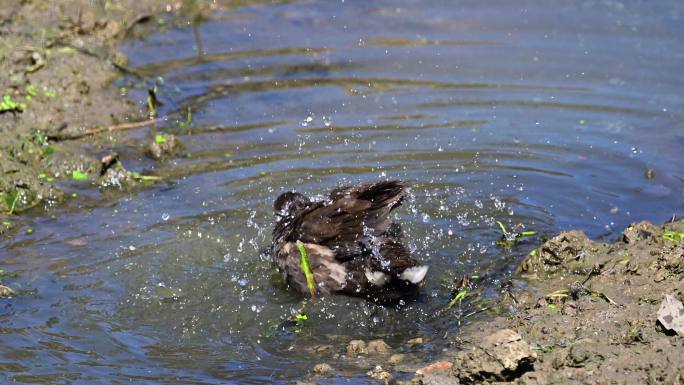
491, 111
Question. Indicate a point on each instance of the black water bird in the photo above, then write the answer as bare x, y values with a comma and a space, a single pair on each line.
353, 246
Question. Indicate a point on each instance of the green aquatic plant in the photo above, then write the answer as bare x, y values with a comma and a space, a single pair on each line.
152, 102
188, 119
137, 176
31, 91
673, 236
511, 238
11, 199
39, 138
42, 141
160, 138
9, 105
4, 274
79, 175
66, 49
458, 299
306, 268
300, 318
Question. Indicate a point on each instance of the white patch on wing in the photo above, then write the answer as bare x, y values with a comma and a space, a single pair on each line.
377, 278
337, 273
415, 274
321, 251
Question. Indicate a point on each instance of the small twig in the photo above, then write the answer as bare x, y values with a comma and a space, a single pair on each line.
475, 312
95, 131
101, 56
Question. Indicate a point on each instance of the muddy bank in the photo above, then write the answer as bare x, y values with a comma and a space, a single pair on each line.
590, 315
59, 60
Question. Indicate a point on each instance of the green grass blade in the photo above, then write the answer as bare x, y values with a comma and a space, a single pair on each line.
306, 268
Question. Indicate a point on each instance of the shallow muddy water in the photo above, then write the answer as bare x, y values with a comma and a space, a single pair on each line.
542, 113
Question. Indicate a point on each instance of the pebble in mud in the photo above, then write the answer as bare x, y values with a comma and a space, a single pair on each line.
323, 369
6, 291
356, 347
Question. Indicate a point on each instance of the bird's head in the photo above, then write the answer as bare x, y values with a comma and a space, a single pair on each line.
290, 203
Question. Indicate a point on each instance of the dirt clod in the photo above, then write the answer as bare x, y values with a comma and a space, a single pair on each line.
501, 356
163, 146
637, 231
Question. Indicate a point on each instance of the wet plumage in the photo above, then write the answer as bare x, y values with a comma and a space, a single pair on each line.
353, 246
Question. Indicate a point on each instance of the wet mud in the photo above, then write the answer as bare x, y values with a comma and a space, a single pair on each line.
59, 60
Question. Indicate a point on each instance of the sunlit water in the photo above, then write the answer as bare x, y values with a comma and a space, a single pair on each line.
546, 114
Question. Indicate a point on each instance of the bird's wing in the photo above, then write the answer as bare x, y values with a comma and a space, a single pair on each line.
351, 216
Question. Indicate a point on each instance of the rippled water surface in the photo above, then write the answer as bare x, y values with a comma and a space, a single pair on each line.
546, 113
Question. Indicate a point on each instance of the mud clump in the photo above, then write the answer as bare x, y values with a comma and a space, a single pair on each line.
565, 252
163, 146
502, 356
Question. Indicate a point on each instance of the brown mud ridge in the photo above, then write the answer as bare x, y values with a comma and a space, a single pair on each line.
58, 106
589, 313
